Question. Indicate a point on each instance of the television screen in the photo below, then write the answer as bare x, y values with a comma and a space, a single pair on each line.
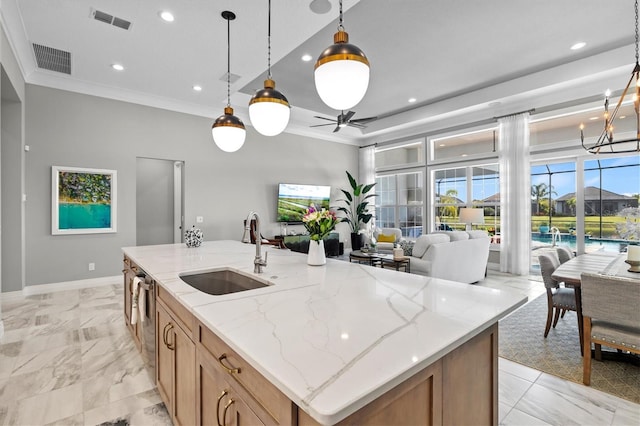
294, 199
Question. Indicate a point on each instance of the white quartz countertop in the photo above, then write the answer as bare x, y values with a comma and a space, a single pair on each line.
334, 337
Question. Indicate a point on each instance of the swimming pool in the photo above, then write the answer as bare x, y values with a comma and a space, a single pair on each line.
591, 244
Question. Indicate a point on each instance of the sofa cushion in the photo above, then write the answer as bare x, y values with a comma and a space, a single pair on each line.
407, 247
384, 238
478, 233
454, 235
424, 241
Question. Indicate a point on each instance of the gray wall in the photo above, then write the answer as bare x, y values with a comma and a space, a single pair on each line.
69, 129
11, 190
12, 215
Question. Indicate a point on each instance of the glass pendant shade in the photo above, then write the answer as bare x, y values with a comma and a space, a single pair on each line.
269, 110
228, 131
342, 74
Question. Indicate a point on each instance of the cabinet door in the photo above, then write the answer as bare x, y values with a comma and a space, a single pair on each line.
164, 357
184, 380
217, 401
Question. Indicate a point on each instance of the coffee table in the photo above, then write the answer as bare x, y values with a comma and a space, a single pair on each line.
369, 258
388, 261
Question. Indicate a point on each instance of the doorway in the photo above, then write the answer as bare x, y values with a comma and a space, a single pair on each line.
159, 201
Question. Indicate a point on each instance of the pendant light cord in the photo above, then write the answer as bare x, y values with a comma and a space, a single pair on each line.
637, 38
228, 63
269, 43
341, 27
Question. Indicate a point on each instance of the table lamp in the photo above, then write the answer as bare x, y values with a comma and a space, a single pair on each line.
471, 216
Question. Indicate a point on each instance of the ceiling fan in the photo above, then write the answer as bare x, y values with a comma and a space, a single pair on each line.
343, 120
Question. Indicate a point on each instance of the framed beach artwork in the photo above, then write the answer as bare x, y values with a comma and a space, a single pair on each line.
83, 201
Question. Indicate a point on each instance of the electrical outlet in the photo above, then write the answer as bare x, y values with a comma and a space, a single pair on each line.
92, 266
199, 219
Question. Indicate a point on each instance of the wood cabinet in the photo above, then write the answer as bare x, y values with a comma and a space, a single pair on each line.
175, 359
223, 376
129, 272
218, 402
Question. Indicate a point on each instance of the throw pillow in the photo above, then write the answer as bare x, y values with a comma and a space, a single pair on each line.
407, 247
383, 238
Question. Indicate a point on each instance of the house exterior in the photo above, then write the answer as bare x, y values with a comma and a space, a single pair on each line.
596, 201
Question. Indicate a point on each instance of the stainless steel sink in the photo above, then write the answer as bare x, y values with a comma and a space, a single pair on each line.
221, 282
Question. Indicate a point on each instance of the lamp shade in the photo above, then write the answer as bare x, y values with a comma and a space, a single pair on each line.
470, 216
269, 110
341, 74
228, 131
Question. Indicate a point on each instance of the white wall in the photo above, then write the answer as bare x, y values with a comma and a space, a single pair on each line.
70, 129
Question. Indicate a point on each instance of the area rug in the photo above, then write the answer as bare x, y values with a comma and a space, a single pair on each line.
522, 340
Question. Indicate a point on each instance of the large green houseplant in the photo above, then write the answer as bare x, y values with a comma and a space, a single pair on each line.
357, 209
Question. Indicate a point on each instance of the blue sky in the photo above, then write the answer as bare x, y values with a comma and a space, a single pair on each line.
622, 180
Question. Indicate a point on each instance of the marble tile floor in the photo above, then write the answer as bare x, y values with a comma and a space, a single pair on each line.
67, 359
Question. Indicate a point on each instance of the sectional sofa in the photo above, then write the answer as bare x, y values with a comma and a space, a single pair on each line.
452, 255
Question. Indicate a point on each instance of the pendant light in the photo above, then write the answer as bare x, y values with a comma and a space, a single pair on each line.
607, 143
269, 109
228, 130
342, 72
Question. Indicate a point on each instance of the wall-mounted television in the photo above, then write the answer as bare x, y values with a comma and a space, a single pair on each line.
294, 199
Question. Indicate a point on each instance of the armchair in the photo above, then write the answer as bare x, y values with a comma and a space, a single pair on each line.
387, 237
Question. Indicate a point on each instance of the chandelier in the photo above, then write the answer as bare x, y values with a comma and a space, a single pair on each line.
607, 143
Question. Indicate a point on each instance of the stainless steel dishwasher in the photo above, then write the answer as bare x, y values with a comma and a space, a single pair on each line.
148, 326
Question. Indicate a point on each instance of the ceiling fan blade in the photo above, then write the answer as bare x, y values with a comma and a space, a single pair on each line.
321, 125
348, 115
358, 125
364, 120
337, 129
324, 118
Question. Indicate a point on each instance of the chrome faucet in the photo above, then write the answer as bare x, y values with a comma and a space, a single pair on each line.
258, 262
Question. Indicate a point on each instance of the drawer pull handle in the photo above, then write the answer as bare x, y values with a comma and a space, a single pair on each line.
224, 414
227, 369
165, 336
224, 392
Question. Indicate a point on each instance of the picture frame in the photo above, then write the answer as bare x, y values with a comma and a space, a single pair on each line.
83, 201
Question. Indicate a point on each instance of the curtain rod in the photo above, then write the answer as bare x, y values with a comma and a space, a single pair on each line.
515, 113
367, 146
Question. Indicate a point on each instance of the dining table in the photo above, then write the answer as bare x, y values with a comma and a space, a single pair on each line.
605, 263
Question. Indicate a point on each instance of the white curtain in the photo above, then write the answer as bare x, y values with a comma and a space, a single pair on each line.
515, 194
367, 175
367, 165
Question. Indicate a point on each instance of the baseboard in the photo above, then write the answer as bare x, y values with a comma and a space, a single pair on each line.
67, 285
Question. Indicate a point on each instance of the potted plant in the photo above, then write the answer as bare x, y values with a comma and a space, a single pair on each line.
357, 209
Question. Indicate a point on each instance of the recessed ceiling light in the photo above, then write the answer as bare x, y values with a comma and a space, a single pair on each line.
578, 45
622, 117
412, 100
464, 155
117, 67
306, 57
167, 16
197, 88
442, 144
594, 118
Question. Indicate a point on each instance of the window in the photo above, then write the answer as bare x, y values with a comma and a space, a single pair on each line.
471, 186
400, 202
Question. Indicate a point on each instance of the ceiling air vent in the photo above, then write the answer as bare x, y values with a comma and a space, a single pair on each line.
52, 59
101, 16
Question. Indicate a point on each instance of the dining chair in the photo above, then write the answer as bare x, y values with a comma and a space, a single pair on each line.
610, 316
559, 299
564, 253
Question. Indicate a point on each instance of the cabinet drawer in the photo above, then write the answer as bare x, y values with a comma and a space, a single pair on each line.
184, 318
271, 405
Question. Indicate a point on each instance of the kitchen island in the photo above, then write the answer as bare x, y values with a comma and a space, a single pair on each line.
340, 342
